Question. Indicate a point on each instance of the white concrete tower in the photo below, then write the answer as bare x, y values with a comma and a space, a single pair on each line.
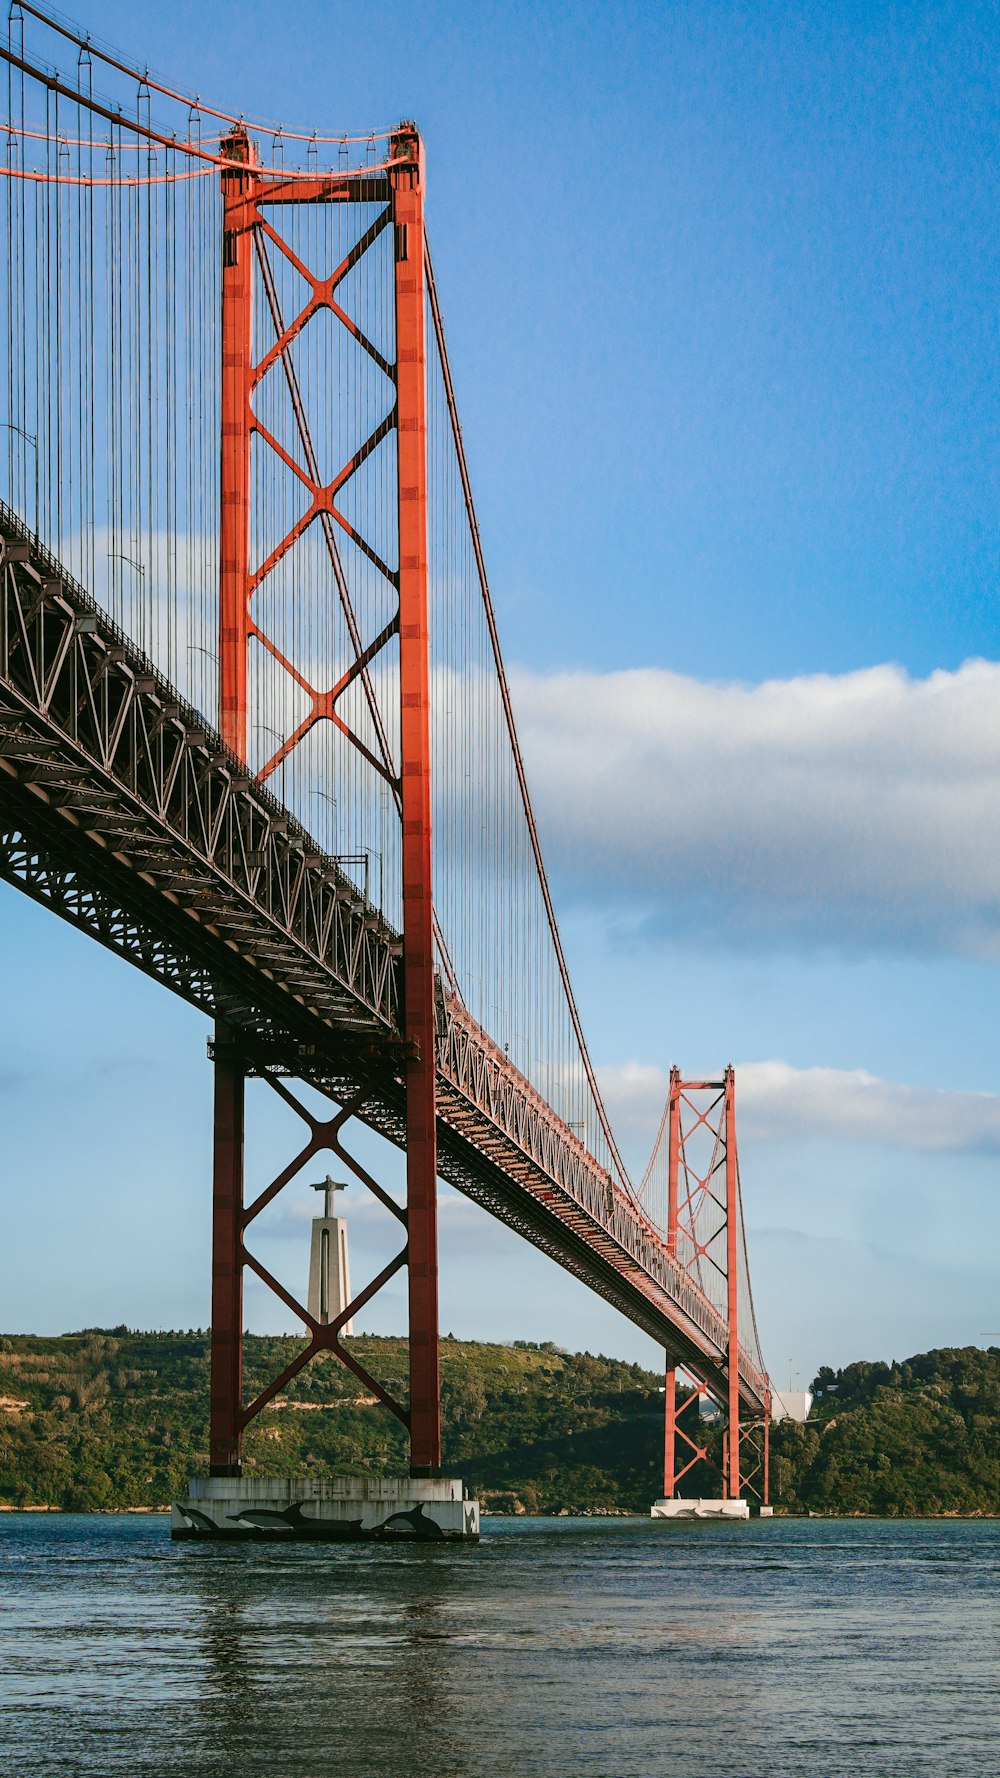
329, 1272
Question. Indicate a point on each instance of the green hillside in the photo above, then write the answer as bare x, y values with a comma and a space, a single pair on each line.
109, 1418
918, 1437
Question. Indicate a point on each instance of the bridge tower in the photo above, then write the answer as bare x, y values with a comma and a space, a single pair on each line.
254, 206
703, 1231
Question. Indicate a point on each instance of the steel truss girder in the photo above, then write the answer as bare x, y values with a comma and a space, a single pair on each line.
530, 1143
128, 769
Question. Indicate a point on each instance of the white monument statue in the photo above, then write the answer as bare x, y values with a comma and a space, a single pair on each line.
329, 1272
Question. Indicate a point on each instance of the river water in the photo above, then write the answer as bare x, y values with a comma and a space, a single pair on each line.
591, 1648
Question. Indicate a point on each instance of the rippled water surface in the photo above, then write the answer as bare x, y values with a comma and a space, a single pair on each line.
598, 1649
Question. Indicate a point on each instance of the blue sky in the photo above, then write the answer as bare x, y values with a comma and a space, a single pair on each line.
721, 294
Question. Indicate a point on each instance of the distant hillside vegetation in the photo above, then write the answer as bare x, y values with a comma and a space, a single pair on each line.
920, 1437
109, 1419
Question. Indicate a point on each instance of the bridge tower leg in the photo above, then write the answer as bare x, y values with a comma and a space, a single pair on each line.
669, 1431
670, 1401
766, 1494
732, 1478
415, 745
226, 1387
238, 185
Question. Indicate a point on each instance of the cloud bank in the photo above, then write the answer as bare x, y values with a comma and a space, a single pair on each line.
779, 1103
860, 809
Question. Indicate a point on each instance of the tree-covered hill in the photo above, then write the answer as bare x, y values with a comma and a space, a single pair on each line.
110, 1418
918, 1437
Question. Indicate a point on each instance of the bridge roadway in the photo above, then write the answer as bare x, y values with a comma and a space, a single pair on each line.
122, 811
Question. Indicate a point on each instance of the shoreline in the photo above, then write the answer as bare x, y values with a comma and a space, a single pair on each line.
118, 1512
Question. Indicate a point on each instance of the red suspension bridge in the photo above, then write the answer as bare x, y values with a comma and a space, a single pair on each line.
236, 483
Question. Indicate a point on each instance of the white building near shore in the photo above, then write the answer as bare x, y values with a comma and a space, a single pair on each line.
791, 1404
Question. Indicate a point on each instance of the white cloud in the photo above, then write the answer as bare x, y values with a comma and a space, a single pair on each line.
778, 1103
634, 1094
781, 1102
860, 809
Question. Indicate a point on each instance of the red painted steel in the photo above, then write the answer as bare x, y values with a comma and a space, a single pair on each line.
754, 1445
415, 743
670, 1403
674, 1431
669, 1431
767, 1451
325, 1134
229, 1415
673, 1159
719, 1121
226, 1428
238, 186
246, 201
226, 1387
732, 1281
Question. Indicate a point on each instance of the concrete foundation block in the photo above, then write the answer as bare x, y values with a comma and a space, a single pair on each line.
699, 1509
326, 1509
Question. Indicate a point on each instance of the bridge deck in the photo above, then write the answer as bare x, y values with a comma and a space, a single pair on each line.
122, 811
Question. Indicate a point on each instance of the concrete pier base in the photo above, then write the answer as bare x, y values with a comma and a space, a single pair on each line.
325, 1509
699, 1509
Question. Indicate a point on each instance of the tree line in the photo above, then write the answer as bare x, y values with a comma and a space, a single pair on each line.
110, 1418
